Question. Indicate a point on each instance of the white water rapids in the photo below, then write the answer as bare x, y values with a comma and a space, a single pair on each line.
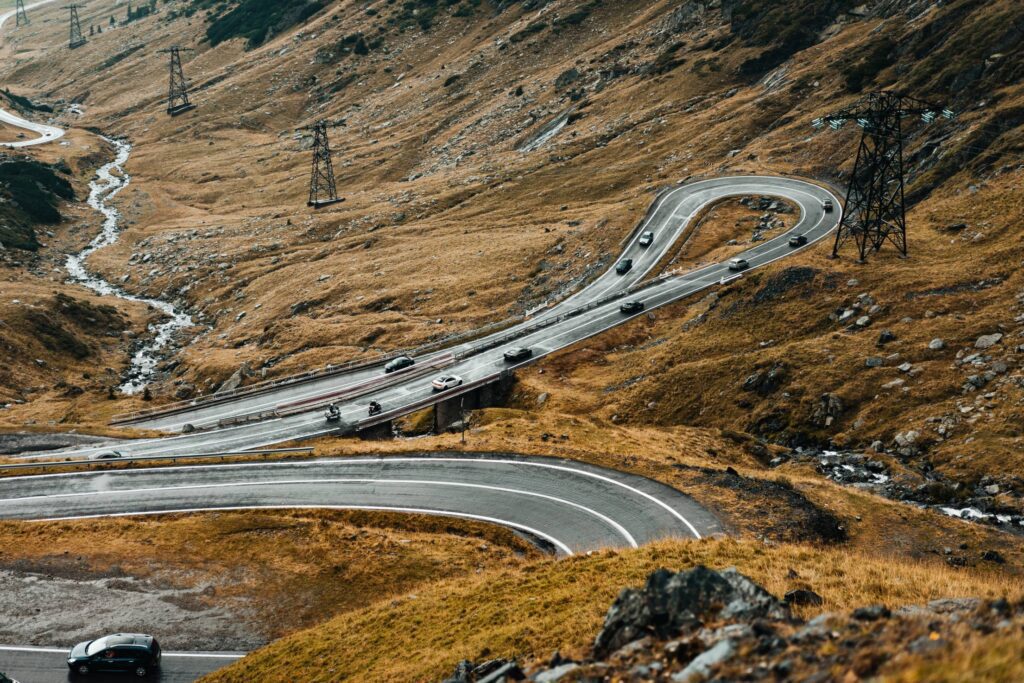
111, 179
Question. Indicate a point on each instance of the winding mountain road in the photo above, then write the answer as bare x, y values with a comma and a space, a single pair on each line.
46, 133
593, 310
569, 506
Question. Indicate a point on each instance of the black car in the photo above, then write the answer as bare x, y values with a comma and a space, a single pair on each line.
798, 240
624, 266
518, 354
399, 363
129, 652
631, 307
5, 679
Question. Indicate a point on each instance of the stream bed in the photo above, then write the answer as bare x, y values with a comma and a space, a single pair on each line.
111, 179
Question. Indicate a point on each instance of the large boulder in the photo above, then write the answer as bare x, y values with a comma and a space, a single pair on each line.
671, 602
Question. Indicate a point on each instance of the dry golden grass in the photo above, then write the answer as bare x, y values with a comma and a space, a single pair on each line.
532, 611
295, 568
994, 658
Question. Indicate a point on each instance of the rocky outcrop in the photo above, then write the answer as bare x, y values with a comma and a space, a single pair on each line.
702, 624
672, 602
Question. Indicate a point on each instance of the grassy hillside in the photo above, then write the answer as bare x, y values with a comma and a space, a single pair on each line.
533, 612
447, 225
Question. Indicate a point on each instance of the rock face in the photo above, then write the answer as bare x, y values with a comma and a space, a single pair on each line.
704, 625
669, 602
829, 408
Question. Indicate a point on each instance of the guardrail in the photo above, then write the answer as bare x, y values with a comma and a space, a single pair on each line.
329, 371
269, 385
401, 411
362, 388
50, 464
394, 413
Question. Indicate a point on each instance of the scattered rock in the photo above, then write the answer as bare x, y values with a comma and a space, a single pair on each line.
987, 341
803, 596
872, 613
936, 344
886, 337
700, 668
993, 556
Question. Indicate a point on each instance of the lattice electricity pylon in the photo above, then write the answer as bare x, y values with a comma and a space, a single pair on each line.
322, 189
20, 15
177, 91
874, 210
75, 39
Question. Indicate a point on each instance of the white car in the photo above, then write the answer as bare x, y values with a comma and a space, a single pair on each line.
647, 239
446, 382
738, 264
106, 455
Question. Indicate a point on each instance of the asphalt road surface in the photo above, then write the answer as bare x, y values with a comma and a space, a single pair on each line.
45, 133
572, 507
668, 221
49, 665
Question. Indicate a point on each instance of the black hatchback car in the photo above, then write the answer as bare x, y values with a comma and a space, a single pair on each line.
631, 307
624, 266
518, 354
400, 363
127, 652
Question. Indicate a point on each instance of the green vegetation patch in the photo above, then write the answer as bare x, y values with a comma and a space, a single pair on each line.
255, 20
25, 103
29, 195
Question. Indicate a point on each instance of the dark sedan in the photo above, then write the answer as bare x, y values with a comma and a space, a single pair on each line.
124, 652
400, 363
631, 307
518, 354
798, 240
624, 266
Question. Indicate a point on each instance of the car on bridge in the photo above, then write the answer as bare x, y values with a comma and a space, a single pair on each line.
106, 455
127, 652
624, 266
518, 354
647, 239
446, 382
798, 240
400, 363
738, 264
631, 307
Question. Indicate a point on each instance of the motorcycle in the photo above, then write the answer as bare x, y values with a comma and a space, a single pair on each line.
375, 408
333, 413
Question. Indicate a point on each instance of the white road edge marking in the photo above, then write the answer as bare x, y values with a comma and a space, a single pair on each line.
64, 651
350, 461
384, 508
347, 480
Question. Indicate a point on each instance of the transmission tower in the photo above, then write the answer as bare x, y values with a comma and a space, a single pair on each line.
874, 211
20, 15
76, 38
177, 91
322, 189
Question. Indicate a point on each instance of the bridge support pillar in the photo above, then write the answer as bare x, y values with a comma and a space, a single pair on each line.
448, 414
385, 430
